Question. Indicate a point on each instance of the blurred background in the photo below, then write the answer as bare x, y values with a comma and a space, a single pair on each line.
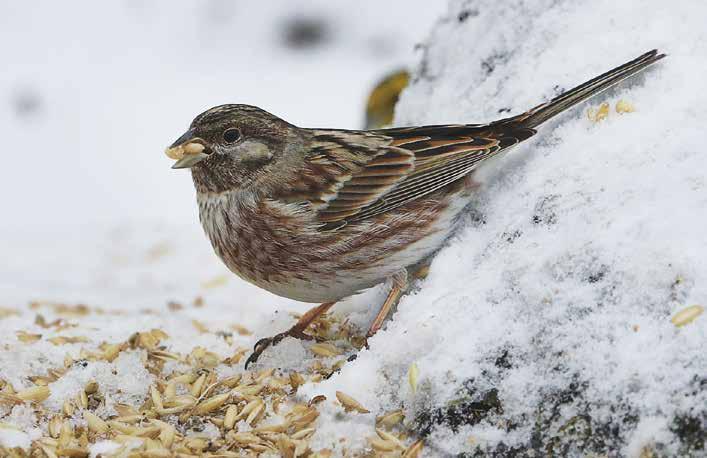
92, 92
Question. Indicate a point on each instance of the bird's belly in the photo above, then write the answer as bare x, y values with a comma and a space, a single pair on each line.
290, 258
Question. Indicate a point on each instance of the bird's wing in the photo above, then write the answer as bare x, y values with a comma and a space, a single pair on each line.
372, 172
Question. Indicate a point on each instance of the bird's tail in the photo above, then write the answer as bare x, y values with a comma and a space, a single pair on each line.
542, 113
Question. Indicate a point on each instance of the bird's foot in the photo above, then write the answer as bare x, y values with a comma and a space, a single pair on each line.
296, 331
264, 343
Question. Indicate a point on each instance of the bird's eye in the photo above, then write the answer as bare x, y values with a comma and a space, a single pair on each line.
231, 135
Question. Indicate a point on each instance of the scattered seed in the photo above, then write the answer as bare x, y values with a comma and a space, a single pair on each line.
66, 433
91, 387
35, 394
62, 340
82, 400
198, 386
265, 374
211, 404
186, 379
231, 382
72, 452
164, 355
390, 419
325, 349
257, 413
122, 427
303, 433
215, 282
413, 374
317, 399
157, 453
249, 390
26, 337
597, 115
414, 450
54, 426
229, 420
381, 445
201, 327
622, 106
350, 404
68, 408
193, 395
156, 398
241, 330
170, 390
167, 434
95, 423
125, 410
388, 437
687, 315
47, 451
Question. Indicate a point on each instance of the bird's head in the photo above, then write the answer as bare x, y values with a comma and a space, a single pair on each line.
233, 146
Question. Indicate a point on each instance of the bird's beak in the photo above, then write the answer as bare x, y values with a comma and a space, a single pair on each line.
188, 150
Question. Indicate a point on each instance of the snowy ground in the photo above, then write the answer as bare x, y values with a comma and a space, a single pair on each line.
545, 325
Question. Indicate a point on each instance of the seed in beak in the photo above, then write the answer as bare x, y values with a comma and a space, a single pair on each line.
193, 148
178, 152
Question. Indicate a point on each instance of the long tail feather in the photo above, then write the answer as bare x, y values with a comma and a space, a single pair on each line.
542, 113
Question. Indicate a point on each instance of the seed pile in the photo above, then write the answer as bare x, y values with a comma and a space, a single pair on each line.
192, 408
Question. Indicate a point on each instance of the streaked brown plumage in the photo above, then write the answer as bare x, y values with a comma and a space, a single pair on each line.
317, 215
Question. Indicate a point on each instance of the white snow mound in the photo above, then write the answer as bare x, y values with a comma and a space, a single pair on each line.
546, 323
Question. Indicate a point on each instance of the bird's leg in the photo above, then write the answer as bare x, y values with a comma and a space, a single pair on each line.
296, 331
400, 286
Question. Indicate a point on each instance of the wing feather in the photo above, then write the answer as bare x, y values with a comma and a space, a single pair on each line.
391, 167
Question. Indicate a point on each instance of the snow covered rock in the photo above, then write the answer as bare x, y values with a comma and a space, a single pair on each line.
545, 325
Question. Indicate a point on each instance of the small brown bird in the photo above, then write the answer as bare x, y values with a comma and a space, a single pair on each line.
317, 215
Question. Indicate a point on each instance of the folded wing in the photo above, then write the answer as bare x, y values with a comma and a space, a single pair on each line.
396, 166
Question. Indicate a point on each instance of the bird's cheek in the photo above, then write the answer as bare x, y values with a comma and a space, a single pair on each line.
255, 152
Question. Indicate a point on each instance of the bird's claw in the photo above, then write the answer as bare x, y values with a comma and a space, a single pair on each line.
262, 344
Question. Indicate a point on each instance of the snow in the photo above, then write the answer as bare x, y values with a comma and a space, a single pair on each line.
104, 448
19, 428
581, 245
549, 312
12, 438
124, 381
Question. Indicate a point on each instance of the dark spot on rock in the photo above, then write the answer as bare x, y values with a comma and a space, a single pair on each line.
26, 103
597, 276
489, 64
504, 110
564, 423
691, 431
469, 409
544, 212
474, 217
466, 14
503, 361
303, 33
511, 237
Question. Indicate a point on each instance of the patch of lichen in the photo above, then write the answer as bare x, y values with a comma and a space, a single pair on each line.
593, 428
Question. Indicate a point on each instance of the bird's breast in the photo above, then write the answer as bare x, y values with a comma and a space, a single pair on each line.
279, 247
273, 245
